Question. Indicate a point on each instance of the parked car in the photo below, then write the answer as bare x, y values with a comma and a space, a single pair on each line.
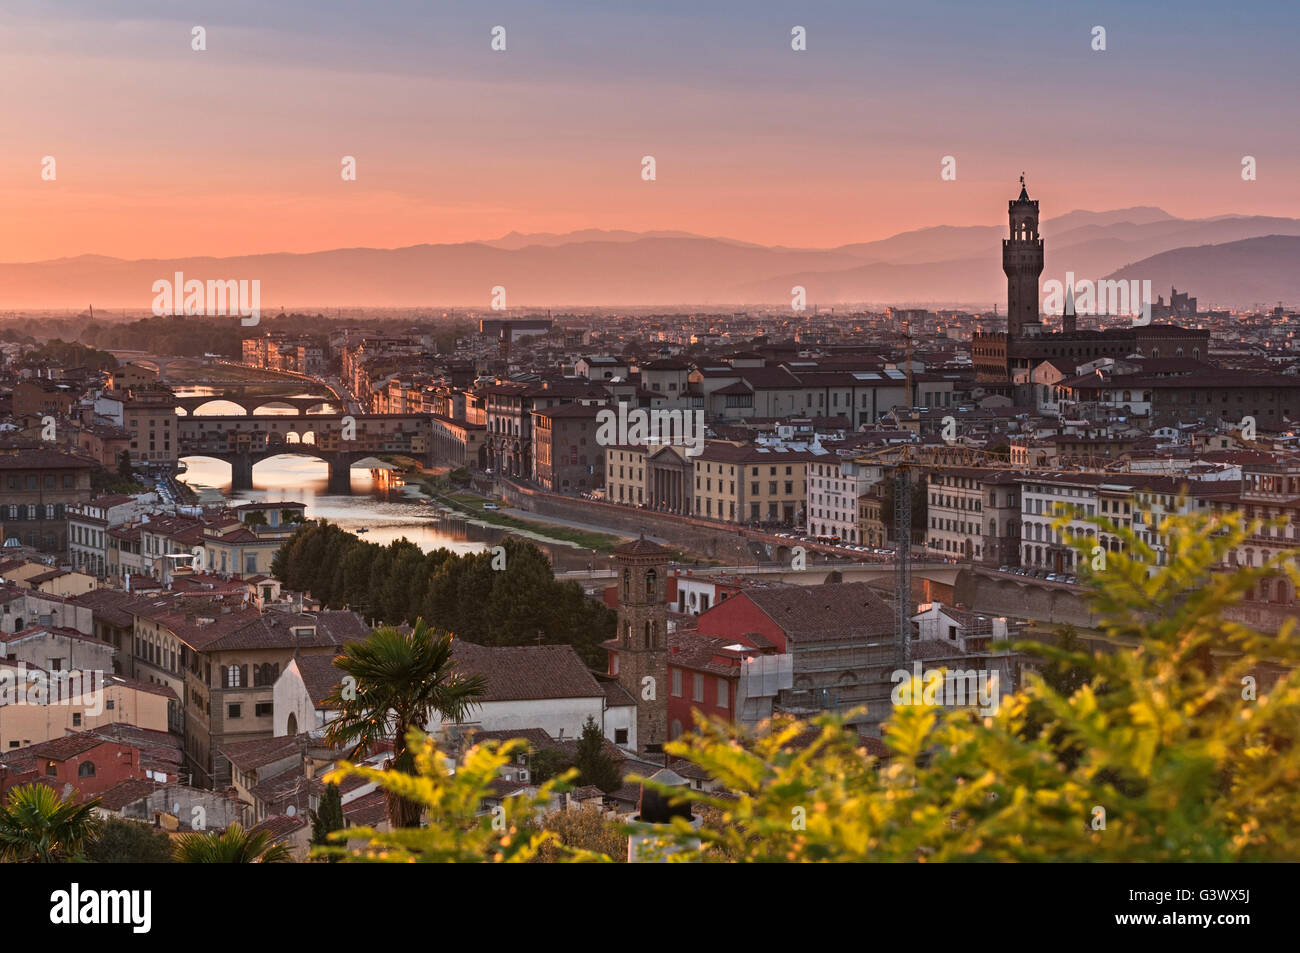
490, 506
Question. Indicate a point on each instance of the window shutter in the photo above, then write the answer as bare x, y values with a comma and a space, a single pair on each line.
243, 675
225, 677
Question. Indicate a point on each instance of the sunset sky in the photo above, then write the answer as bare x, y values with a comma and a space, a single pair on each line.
162, 151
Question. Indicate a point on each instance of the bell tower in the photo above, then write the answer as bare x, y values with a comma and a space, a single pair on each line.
1022, 262
641, 642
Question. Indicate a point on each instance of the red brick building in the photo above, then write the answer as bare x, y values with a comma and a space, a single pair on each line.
87, 763
840, 637
704, 675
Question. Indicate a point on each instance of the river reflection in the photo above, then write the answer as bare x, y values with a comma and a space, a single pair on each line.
387, 513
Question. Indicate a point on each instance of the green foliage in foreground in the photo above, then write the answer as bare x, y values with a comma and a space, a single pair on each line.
234, 845
39, 826
1167, 751
454, 831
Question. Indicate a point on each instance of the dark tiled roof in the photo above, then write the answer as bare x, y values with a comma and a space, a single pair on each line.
107, 605
538, 738
36, 630
517, 673
616, 695
688, 648
127, 792
830, 612
279, 826
61, 749
319, 676
32, 459
369, 810
642, 547
288, 787
159, 750
251, 755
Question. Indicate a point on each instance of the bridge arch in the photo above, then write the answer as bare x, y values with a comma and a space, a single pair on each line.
270, 407
197, 408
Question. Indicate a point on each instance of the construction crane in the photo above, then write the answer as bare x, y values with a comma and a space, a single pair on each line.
903, 528
903, 562
906, 458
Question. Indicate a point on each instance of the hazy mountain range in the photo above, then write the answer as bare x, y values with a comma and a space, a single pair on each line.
1224, 261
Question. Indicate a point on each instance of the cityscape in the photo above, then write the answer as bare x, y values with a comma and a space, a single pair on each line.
954, 537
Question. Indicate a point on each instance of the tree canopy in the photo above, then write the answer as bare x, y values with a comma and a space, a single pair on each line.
520, 604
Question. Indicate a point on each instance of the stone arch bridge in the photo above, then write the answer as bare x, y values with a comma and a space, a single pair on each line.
338, 439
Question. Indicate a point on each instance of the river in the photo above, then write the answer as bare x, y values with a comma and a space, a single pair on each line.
387, 512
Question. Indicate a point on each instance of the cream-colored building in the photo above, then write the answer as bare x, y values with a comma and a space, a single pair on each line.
73, 701
742, 483
625, 474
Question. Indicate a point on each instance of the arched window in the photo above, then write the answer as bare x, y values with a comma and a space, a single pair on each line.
86, 769
649, 634
266, 673
650, 579
292, 727
627, 582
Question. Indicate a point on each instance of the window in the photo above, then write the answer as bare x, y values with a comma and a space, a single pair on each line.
86, 769
722, 693
263, 709
267, 673
76, 719
697, 688
677, 683
233, 711
51, 769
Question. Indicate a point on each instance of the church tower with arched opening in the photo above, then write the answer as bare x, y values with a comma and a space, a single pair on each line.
1022, 263
639, 651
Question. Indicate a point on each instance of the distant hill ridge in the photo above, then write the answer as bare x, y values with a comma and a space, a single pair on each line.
1225, 261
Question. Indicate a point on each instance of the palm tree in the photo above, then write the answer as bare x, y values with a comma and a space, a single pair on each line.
39, 826
398, 681
234, 845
